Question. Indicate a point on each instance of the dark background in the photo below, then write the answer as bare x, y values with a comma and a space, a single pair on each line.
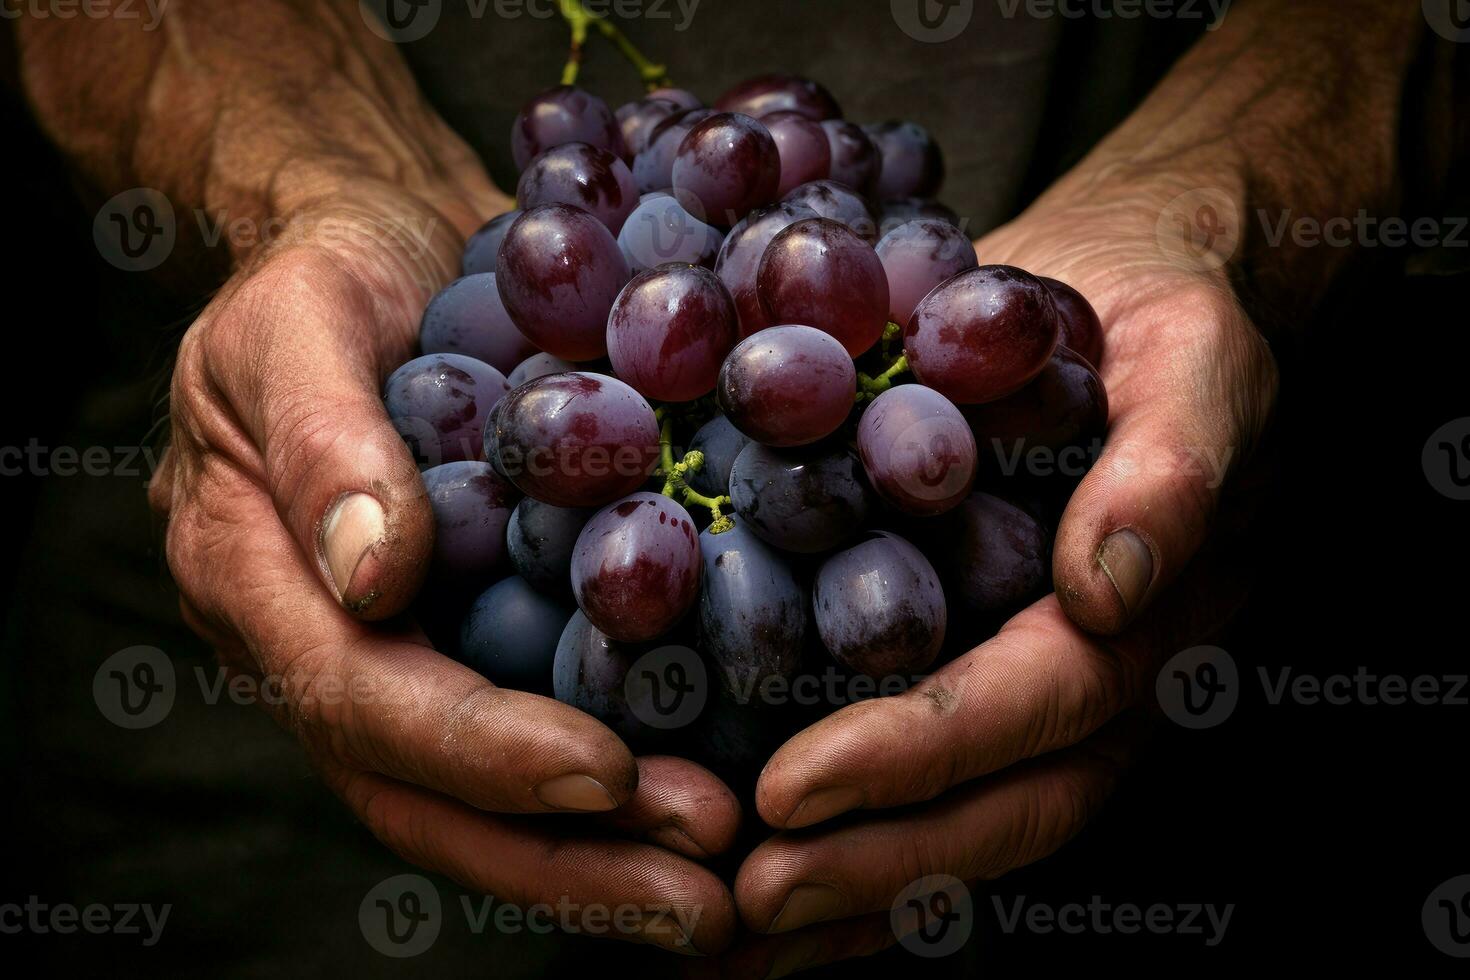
1326, 826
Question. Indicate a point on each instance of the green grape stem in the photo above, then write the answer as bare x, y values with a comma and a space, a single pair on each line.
579, 18
871, 387
677, 487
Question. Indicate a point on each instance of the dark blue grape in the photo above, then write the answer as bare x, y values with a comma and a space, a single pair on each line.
806, 500
483, 247
879, 607
467, 317
753, 610
439, 404
510, 635
472, 506
540, 540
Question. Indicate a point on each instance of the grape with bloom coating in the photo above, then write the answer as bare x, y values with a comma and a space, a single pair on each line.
726, 166
1080, 329
538, 366
1065, 405
993, 554
820, 273
806, 500
574, 439
563, 114
583, 176
983, 334
779, 92
855, 160
472, 506
831, 199
788, 386
659, 230
669, 330
439, 404
559, 271
511, 633
483, 247
653, 167
912, 163
740, 257
753, 610
590, 671
540, 539
638, 119
719, 442
635, 568
467, 317
917, 450
802, 144
880, 608
918, 256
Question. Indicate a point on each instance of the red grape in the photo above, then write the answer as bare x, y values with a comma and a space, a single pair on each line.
653, 167
917, 450
563, 114
855, 160
583, 176
636, 567
740, 257
918, 256
788, 386
830, 199
803, 148
776, 92
659, 230
879, 607
726, 166
439, 404
1081, 330
912, 163
1065, 405
669, 330
637, 120
820, 273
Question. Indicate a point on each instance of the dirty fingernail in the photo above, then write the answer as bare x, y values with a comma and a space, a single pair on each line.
575, 792
1129, 565
353, 525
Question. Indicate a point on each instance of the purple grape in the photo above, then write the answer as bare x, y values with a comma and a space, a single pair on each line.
683, 98
575, 439
726, 166
540, 539
483, 247
1065, 405
820, 273
1080, 328
653, 167
635, 569
439, 403
590, 671
788, 386
803, 148
912, 163
879, 607
720, 442
669, 331
510, 635
806, 500
917, 450
891, 214
918, 256
740, 257
983, 334
753, 610
830, 199
766, 94
637, 120
467, 317
994, 556
582, 176
855, 160
659, 230
538, 366
472, 507
559, 271
563, 115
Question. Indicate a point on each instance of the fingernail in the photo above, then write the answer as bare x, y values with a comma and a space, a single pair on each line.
823, 804
575, 792
1128, 564
353, 525
664, 930
806, 904
673, 838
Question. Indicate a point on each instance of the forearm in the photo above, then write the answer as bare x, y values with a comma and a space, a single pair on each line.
1289, 116
252, 113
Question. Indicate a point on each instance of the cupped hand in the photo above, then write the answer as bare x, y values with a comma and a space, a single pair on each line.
296, 515
1002, 755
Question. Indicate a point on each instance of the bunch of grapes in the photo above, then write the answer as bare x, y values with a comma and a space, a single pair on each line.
731, 380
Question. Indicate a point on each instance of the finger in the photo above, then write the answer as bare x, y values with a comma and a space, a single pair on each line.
616, 888
1183, 416
374, 701
679, 805
980, 831
1039, 685
296, 354
782, 955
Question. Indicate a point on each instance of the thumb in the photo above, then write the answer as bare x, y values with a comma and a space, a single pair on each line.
301, 361
1191, 394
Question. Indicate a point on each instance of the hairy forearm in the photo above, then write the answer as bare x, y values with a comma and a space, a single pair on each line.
257, 112
1288, 118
